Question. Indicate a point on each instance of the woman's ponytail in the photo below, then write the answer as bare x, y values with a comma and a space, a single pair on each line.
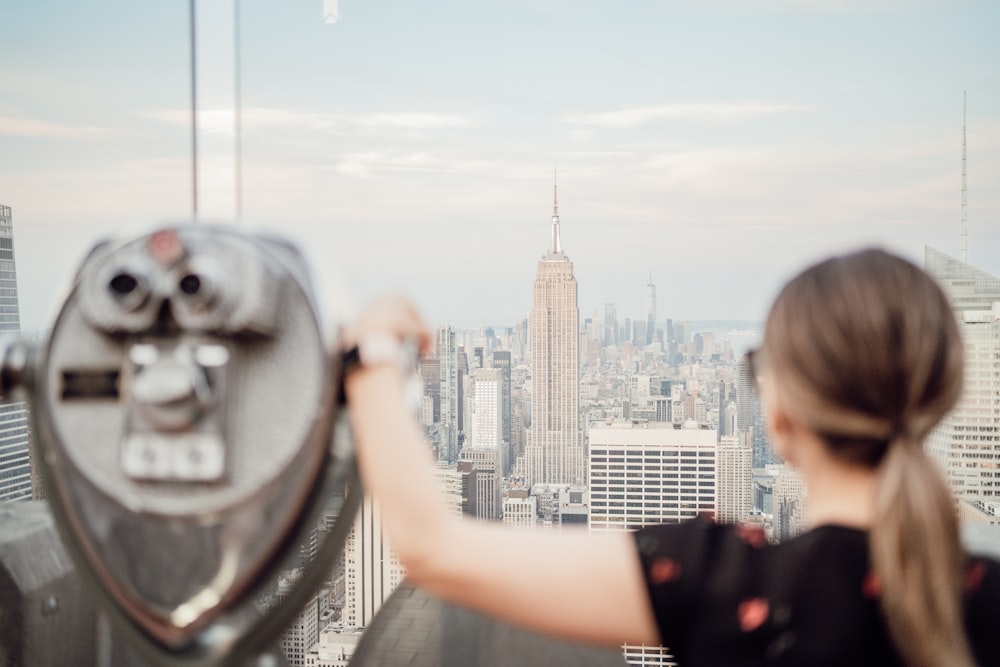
917, 560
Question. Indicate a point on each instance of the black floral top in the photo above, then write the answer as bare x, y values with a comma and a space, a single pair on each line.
722, 596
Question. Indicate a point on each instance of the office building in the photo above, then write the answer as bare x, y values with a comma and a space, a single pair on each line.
966, 443
734, 485
15, 452
487, 408
335, 647
430, 377
979, 512
468, 476
967, 287
485, 497
372, 569
574, 505
303, 632
502, 362
554, 453
609, 335
461, 398
649, 296
790, 503
647, 473
750, 423
639, 330
520, 509
447, 354
449, 481
644, 473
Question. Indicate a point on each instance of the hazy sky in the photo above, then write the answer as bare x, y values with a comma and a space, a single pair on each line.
717, 145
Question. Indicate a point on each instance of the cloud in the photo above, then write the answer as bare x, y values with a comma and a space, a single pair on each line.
222, 120
366, 164
600, 155
711, 112
820, 6
32, 127
411, 121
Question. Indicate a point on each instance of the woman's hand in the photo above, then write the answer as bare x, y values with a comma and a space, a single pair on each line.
391, 316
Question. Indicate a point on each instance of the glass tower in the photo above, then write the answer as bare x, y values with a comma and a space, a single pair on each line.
15, 461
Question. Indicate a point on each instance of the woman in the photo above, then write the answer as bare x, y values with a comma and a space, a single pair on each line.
861, 358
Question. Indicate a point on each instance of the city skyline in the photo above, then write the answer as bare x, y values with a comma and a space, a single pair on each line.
721, 146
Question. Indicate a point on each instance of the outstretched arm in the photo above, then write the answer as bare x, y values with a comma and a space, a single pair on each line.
571, 584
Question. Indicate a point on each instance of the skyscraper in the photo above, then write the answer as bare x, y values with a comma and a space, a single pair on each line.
502, 362
554, 453
750, 423
487, 408
734, 483
722, 410
967, 441
448, 358
609, 334
15, 457
372, 567
967, 287
303, 632
650, 299
485, 462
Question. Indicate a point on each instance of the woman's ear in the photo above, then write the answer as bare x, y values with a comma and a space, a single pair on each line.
780, 430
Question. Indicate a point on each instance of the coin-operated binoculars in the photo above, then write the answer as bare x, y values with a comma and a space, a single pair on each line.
184, 406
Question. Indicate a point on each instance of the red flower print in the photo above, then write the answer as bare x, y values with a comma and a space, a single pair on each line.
753, 612
871, 587
663, 570
752, 535
974, 575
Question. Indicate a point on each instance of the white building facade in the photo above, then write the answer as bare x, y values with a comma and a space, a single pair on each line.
966, 444
372, 570
734, 487
644, 473
647, 473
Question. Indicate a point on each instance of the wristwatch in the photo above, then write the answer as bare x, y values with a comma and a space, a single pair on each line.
371, 352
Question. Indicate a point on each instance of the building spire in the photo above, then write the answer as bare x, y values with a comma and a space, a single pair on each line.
556, 245
965, 199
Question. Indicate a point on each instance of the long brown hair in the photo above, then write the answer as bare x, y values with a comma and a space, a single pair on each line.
865, 351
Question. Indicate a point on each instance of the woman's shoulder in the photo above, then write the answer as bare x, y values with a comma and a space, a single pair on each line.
741, 538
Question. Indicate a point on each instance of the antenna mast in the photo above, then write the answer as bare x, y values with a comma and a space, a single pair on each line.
965, 189
556, 243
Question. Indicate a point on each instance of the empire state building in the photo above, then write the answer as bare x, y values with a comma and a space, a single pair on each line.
554, 452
